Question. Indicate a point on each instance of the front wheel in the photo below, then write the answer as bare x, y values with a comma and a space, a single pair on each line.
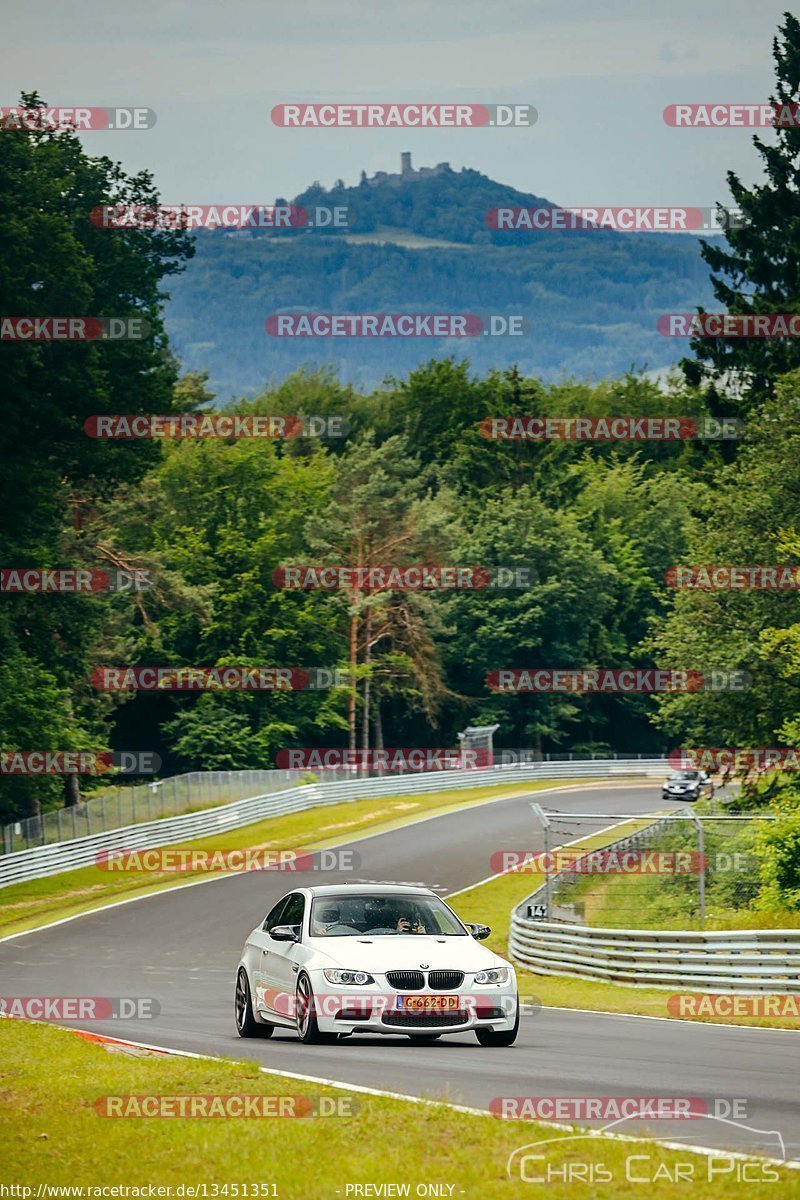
499, 1037
307, 1028
246, 1024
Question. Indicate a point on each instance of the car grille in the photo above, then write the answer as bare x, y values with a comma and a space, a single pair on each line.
424, 1020
406, 981
414, 981
446, 980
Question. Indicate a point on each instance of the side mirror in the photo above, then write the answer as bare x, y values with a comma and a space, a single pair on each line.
479, 932
285, 933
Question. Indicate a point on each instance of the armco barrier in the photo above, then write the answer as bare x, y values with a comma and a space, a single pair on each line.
740, 960
120, 805
66, 856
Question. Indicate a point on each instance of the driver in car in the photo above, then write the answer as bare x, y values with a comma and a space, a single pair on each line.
408, 923
326, 919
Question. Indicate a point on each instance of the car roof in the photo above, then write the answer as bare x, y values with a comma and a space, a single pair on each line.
369, 889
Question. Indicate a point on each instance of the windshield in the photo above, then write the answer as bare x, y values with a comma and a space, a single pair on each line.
379, 916
680, 776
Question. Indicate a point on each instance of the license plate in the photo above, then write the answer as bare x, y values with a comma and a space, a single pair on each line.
427, 1003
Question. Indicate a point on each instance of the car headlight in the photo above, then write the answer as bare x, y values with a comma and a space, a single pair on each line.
358, 978
493, 975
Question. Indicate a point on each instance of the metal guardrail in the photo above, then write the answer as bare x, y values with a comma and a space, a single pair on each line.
52, 859
744, 960
738, 960
121, 805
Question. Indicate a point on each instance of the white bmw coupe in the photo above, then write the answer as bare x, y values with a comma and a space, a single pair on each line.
348, 958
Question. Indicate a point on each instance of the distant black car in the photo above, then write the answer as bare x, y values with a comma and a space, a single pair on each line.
686, 785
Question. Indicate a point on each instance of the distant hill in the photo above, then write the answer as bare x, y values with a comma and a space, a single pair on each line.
419, 242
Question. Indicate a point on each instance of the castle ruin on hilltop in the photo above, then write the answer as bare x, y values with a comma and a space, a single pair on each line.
406, 172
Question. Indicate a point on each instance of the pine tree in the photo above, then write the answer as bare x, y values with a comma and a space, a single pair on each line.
759, 271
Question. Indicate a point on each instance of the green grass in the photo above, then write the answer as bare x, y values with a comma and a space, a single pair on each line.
27, 905
642, 902
51, 1133
491, 903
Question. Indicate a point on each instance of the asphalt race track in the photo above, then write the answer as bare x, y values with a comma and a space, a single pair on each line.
182, 946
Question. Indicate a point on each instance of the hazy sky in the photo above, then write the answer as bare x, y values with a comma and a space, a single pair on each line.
599, 75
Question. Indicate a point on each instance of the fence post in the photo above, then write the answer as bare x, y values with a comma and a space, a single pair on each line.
701, 874
548, 888
545, 824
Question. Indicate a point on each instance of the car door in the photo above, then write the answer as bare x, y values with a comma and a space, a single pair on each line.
281, 963
260, 945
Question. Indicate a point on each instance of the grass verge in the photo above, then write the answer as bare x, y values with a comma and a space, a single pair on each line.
617, 901
492, 902
52, 1134
27, 905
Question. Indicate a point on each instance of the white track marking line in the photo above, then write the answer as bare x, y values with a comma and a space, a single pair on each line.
179, 887
602, 1012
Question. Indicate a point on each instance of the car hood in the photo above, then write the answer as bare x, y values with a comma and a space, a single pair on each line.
401, 953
